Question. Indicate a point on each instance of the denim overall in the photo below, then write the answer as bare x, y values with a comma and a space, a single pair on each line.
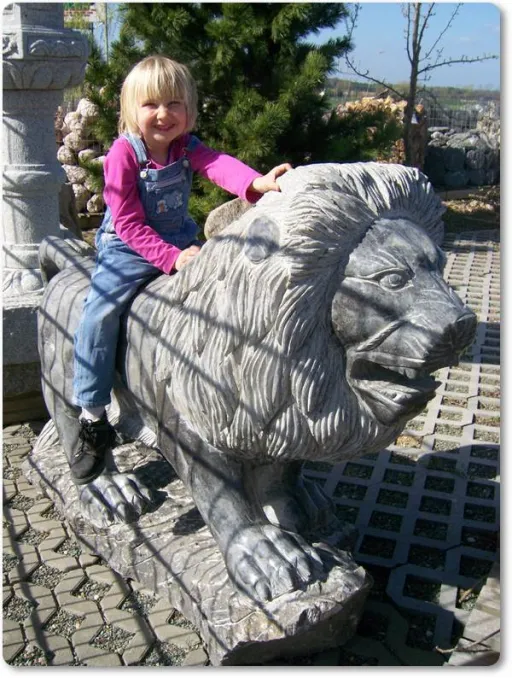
120, 271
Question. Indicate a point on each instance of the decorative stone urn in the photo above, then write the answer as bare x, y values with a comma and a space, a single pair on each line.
40, 59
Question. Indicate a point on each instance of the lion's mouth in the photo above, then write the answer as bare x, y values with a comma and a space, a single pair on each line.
403, 387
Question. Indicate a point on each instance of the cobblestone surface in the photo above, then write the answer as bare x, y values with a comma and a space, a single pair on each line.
427, 512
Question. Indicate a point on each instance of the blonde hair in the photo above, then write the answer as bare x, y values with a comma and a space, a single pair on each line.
156, 77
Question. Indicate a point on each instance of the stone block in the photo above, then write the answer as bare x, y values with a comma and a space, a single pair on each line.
67, 585
16, 520
434, 165
84, 608
492, 159
177, 635
20, 332
13, 640
86, 559
42, 600
29, 558
492, 177
56, 647
466, 140
475, 159
114, 614
95, 656
138, 647
454, 180
104, 575
9, 490
454, 159
476, 177
23, 399
197, 657
11, 432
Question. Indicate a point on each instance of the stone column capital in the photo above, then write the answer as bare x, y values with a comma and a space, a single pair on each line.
37, 52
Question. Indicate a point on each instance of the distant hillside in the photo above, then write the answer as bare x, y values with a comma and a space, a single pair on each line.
340, 90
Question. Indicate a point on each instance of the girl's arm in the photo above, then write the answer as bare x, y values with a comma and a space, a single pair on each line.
122, 196
268, 182
232, 174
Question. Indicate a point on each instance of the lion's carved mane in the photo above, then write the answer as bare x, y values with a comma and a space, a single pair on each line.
261, 308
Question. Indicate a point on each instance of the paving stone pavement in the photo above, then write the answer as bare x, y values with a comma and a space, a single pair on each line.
427, 511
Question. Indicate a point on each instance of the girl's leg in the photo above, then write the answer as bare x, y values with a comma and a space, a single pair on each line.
118, 275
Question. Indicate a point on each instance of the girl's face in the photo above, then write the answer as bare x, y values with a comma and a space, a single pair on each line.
161, 121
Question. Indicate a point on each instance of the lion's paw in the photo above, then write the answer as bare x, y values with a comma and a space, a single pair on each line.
265, 562
114, 497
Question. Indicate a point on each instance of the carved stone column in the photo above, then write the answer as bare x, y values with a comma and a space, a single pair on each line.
40, 59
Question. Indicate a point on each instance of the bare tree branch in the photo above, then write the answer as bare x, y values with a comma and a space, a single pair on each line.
462, 60
441, 34
424, 25
372, 79
351, 20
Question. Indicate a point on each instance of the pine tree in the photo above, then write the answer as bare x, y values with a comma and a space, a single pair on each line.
260, 82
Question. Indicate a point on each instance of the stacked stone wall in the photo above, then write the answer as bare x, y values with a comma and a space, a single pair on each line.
455, 159
77, 152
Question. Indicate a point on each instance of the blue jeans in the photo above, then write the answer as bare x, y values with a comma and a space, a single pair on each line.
118, 275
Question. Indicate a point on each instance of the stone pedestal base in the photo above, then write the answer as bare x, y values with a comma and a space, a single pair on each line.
22, 397
25, 407
171, 551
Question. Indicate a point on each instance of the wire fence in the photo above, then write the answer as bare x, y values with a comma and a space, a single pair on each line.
462, 115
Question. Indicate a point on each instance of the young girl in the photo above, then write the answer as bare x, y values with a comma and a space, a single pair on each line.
146, 228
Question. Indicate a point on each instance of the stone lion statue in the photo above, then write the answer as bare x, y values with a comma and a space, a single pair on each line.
307, 329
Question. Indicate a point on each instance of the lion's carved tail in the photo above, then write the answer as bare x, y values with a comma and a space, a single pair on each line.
57, 253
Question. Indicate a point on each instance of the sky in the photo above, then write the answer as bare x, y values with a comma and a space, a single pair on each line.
380, 44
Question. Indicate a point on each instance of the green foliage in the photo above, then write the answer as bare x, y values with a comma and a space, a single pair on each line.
260, 83
367, 135
94, 174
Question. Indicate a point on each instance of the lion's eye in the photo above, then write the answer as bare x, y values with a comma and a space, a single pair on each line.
394, 281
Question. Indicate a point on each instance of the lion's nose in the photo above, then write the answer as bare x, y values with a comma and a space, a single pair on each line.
451, 340
460, 334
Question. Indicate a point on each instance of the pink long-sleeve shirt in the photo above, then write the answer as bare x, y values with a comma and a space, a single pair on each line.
121, 194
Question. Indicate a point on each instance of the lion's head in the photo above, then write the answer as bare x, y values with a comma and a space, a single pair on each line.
308, 327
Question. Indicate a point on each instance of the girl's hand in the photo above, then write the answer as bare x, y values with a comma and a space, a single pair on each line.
186, 256
268, 182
